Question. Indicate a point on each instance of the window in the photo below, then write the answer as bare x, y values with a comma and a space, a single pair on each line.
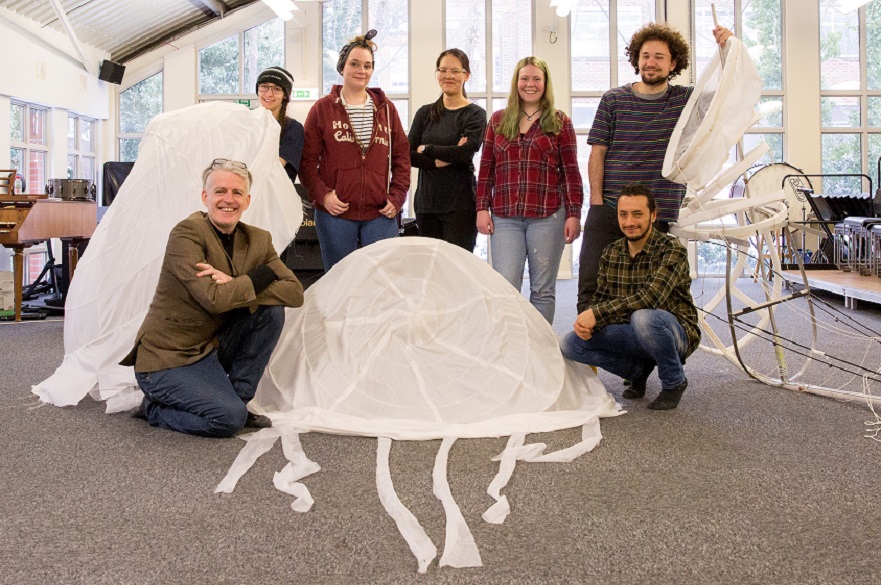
466, 30
760, 26
29, 151
219, 67
81, 148
392, 72
492, 52
340, 21
137, 106
599, 63
344, 20
850, 94
228, 69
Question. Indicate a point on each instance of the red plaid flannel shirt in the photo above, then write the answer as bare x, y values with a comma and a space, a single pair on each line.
533, 175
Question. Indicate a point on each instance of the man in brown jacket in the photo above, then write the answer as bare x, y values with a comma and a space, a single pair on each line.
216, 316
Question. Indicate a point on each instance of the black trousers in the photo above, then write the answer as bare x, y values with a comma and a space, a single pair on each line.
456, 227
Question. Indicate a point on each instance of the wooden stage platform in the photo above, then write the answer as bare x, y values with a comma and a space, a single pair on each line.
849, 285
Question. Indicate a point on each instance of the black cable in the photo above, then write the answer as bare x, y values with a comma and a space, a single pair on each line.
772, 338
830, 307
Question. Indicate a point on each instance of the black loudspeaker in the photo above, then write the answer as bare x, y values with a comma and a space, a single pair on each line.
111, 72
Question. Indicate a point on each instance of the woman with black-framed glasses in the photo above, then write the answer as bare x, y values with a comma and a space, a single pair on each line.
443, 139
274, 87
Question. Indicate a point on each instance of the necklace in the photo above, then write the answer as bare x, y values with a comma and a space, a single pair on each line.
529, 117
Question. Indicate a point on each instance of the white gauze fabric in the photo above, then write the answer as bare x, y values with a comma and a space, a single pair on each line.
115, 280
413, 338
416, 339
719, 111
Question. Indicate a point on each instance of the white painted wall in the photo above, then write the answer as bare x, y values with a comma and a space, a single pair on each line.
43, 67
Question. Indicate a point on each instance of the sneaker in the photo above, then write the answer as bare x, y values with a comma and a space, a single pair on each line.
257, 421
669, 399
636, 389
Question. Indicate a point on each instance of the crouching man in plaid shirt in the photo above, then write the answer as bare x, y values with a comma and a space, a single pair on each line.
642, 314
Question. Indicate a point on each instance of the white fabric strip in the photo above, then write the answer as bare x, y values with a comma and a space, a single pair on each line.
422, 546
460, 549
590, 438
257, 444
288, 479
497, 513
724, 179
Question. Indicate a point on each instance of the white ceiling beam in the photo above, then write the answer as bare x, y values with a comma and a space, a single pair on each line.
89, 66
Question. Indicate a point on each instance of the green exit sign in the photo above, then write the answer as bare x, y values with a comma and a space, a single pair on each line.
244, 102
305, 93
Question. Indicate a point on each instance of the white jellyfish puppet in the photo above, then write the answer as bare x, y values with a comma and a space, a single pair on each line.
416, 339
115, 280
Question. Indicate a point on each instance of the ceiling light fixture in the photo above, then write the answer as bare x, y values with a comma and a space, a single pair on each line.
283, 8
564, 7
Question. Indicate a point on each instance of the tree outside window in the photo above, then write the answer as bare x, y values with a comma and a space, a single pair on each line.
219, 67
850, 92
263, 48
341, 20
599, 33
492, 52
228, 69
137, 106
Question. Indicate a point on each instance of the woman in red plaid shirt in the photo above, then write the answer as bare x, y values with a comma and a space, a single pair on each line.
529, 190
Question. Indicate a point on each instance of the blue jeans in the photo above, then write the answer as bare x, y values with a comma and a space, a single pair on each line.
339, 237
538, 240
208, 397
630, 350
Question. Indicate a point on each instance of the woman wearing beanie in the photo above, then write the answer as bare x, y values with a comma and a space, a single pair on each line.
274, 92
356, 159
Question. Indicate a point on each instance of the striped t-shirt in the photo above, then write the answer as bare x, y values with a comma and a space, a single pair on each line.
636, 132
361, 119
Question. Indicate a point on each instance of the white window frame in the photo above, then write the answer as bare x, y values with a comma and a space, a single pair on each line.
245, 95
120, 135
868, 167
78, 153
28, 147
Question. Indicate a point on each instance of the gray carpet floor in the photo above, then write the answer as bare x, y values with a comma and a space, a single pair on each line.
743, 483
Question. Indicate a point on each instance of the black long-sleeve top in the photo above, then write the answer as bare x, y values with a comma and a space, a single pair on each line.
450, 188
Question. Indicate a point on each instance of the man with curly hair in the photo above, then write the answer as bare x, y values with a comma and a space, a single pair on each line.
628, 140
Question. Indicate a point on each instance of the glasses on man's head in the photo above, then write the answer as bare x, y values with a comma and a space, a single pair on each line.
443, 71
267, 87
225, 163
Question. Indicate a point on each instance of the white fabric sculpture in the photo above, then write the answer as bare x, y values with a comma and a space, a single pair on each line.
721, 108
114, 283
416, 339
408, 338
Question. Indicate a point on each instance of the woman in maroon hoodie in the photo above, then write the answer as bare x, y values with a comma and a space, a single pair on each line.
356, 159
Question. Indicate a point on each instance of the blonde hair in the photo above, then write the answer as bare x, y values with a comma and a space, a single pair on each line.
549, 121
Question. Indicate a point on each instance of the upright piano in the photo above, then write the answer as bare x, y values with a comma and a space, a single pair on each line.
26, 220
